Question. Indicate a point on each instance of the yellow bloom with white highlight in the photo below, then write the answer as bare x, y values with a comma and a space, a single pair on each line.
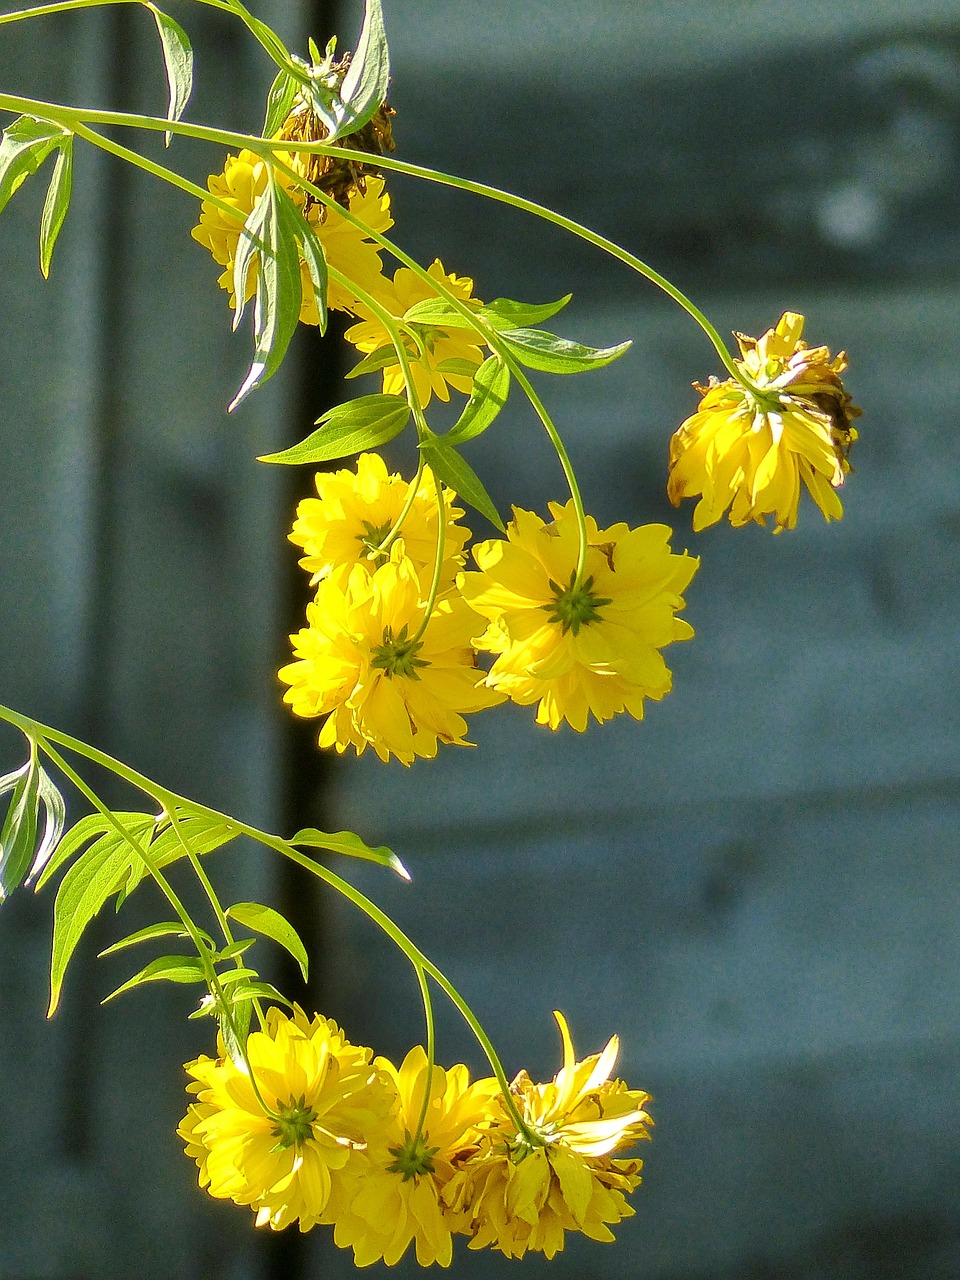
587, 648
750, 447
440, 356
355, 509
347, 248
383, 679
524, 1190
395, 1194
278, 1140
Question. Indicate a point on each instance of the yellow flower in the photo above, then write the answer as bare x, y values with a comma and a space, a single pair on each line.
362, 663
356, 509
278, 1147
749, 449
587, 648
523, 1191
347, 248
438, 355
395, 1193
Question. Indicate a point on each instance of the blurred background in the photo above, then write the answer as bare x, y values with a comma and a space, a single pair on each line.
758, 886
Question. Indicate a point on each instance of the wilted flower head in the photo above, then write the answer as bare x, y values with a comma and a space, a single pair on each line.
749, 447
354, 511
276, 1140
523, 1190
584, 649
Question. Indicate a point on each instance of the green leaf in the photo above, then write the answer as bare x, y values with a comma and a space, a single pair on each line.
258, 990
504, 313
234, 1024
271, 924
311, 247
165, 929
96, 875
365, 85
25, 145
201, 833
55, 819
437, 311
465, 368
545, 351
351, 846
365, 423
234, 949
279, 101
279, 294
233, 976
250, 244
177, 62
379, 359
56, 204
163, 969
491, 386
457, 473
18, 836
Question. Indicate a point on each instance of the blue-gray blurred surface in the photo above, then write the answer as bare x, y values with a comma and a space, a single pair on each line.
757, 886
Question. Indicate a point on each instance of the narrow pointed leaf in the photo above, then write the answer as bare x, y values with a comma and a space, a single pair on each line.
234, 1027
56, 204
365, 423
539, 350
23, 148
55, 819
351, 846
279, 101
491, 386
376, 360
252, 243
365, 85
258, 990
438, 311
18, 836
504, 313
271, 924
163, 969
457, 473
165, 929
177, 62
311, 248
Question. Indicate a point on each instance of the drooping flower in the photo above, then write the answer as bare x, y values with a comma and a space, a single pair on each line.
521, 1190
394, 1195
362, 662
278, 1140
354, 511
749, 449
587, 648
439, 355
347, 248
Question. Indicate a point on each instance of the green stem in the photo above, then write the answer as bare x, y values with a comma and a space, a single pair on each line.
408, 502
438, 561
68, 115
431, 1047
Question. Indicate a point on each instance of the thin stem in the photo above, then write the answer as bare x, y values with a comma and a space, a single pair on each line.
438, 561
431, 1047
405, 510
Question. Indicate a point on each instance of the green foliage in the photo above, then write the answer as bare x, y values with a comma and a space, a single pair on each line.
56, 204
365, 423
164, 969
163, 929
272, 925
177, 62
365, 85
502, 313
491, 386
25, 145
311, 247
22, 855
351, 846
550, 354
279, 101
457, 473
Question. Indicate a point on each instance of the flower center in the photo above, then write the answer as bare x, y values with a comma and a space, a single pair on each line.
575, 606
370, 540
412, 1158
294, 1124
397, 656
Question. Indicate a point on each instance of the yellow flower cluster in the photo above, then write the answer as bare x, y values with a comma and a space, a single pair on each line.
385, 671
389, 674
748, 447
320, 1132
